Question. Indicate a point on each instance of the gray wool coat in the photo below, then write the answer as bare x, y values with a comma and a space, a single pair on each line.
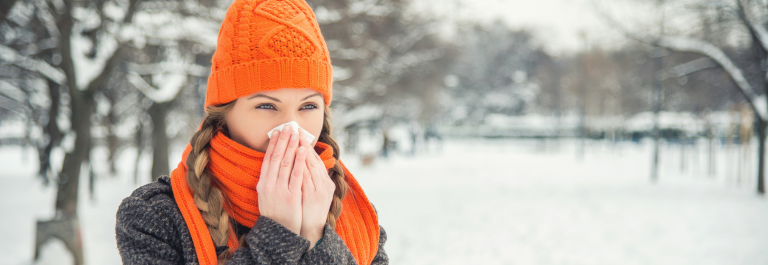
151, 230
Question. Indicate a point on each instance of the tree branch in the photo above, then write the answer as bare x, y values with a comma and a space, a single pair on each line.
759, 32
111, 63
759, 104
169, 87
169, 67
5, 7
686, 68
11, 56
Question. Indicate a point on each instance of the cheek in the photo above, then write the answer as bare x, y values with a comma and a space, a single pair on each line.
249, 131
258, 140
314, 126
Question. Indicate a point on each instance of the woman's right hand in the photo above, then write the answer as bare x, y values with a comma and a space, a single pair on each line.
279, 187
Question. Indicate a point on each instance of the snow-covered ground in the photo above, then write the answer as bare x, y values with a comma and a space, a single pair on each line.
479, 201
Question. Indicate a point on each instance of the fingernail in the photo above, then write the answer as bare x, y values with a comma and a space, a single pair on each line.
293, 136
301, 150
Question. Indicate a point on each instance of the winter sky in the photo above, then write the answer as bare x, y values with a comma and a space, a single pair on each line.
558, 24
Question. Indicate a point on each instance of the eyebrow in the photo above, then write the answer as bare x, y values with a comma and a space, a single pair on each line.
265, 96
316, 94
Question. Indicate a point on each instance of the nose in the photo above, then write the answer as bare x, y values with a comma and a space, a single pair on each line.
289, 117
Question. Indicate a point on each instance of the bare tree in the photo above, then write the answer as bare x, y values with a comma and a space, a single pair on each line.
83, 66
493, 61
749, 15
383, 57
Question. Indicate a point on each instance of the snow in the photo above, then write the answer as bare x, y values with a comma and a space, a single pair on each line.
686, 68
168, 85
484, 201
684, 121
536, 125
11, 56
26, 200
529, 125
534, 122
13, 129
359, 114
523, 202
341, 73
761, 104
89, 69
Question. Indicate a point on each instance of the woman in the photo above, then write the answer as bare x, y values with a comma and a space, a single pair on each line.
241, 196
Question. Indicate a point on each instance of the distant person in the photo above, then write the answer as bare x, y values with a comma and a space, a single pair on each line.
385, 145
431, 132
239, 196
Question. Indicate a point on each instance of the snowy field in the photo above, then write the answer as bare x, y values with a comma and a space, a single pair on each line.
484, 202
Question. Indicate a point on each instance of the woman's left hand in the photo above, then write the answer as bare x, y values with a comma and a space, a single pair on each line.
317, 194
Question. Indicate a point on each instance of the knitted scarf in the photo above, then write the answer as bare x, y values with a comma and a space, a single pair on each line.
236, 169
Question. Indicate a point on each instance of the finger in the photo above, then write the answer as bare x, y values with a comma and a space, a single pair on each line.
304, 141
299, 166
320, 164
284, 175
268, 154
316, 168
307, 184
319, 159
325, 176
278, 153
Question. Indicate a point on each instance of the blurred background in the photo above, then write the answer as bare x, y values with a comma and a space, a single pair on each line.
484, 131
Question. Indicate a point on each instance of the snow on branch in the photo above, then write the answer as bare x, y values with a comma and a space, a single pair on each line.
89, 69
11, 56
169, 67
716, 54
169, 85
760, 33
11, 92
687, 68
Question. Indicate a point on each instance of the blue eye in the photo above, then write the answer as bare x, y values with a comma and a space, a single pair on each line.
311, 106
265, 106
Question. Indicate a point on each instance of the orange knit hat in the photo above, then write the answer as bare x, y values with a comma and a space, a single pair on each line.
267, 45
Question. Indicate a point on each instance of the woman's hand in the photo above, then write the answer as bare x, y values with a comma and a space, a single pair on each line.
280, 182
317, 194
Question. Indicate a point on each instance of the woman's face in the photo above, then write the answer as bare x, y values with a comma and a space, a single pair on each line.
254, 115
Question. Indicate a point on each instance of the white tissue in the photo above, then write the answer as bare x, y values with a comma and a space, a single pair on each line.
295, 126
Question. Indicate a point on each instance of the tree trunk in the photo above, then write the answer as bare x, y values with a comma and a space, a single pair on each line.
5, 7
139, 141
65, 225
66, 197
113, 142
658, 64
158, 111
761, 157
52, 131
67, 230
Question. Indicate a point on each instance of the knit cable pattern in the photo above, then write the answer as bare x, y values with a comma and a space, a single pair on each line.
267, 45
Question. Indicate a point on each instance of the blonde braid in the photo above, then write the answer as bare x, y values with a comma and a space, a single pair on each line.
209, 199
336, 172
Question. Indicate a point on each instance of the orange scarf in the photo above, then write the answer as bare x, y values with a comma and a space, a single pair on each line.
237, 169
